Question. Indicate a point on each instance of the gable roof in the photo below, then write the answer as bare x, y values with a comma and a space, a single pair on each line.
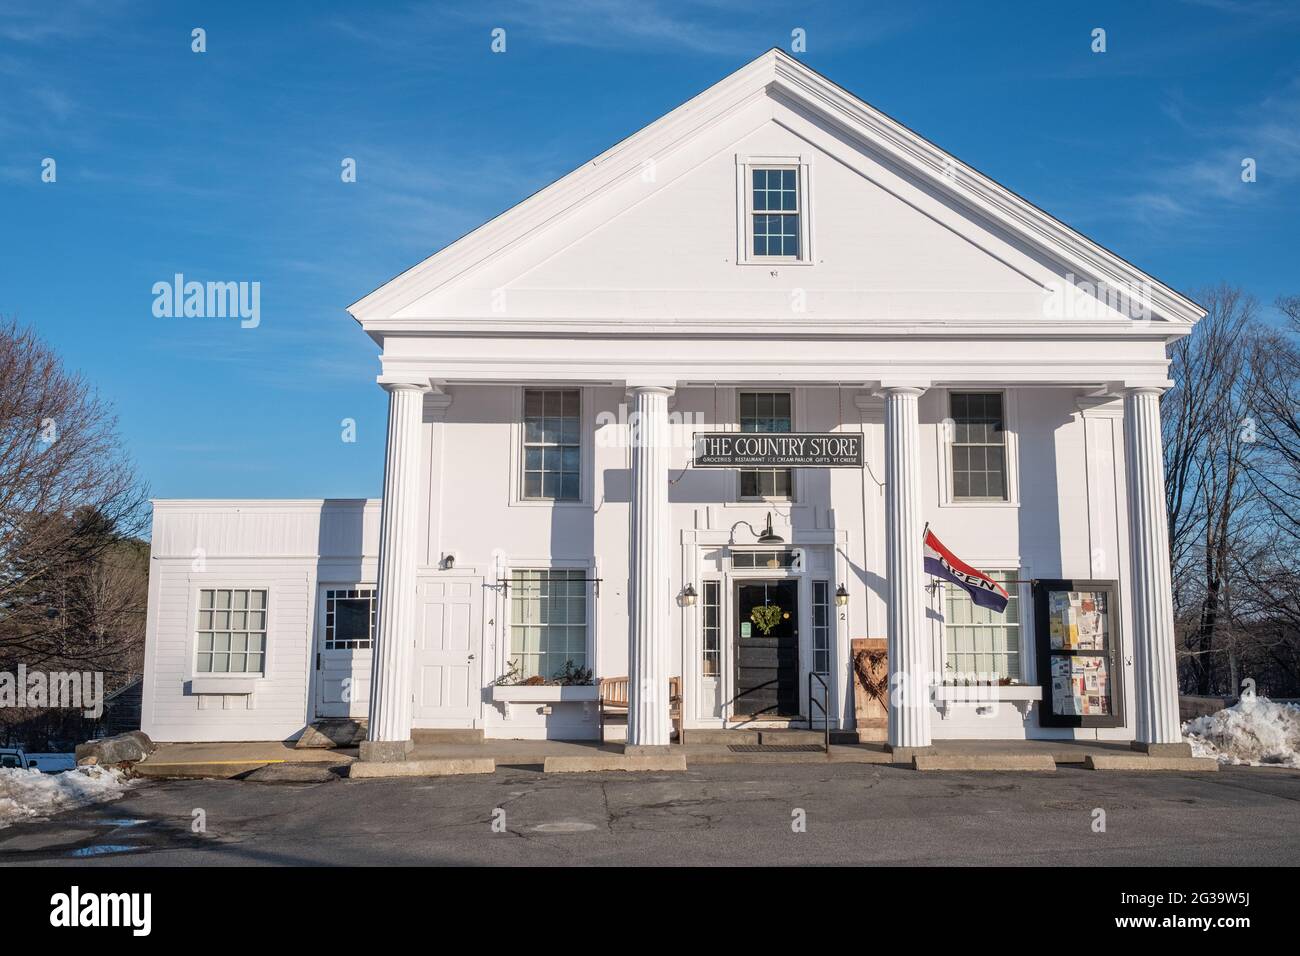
777, 72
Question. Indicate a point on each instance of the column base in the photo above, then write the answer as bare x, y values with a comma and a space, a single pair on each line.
905, 754
1162, 750
646, 750
386, 751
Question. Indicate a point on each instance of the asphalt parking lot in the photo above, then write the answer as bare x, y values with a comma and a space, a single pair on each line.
719, 815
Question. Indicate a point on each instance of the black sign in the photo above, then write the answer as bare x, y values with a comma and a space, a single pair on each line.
778, 450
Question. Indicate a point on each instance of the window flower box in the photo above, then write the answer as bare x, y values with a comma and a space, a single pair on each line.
223, 685
505, 696
982, 696
545, 693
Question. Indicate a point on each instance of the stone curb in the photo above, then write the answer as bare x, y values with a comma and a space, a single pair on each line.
720, 758
369, 770
200, 770
1143, 762
598, 762
983, 762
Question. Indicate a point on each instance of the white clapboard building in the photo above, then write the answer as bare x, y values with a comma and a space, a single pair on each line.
682, 417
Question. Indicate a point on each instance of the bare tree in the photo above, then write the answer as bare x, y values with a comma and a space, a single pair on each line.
68, 497
1277, 371
1207, 444
1269, 590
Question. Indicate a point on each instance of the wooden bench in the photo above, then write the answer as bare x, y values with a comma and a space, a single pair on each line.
613, 699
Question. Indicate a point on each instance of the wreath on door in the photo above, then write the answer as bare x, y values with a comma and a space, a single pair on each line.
766, 617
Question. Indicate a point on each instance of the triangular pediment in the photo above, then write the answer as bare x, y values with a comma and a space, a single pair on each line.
652, 231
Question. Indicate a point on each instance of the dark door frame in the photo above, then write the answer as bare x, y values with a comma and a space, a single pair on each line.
737, 583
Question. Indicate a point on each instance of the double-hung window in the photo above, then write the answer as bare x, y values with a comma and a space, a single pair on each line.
982, 645
979, 447
552, 440
548, 621
774, 212
231, 636
766, 412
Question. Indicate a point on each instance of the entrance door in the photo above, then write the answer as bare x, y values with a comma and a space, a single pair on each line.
343, 650
448, 665
767, 649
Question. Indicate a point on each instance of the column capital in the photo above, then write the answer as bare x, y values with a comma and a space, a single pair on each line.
896, 386
1142, 387
664, 388
403, 386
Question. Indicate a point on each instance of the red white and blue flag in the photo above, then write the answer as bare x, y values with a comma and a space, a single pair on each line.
942, 563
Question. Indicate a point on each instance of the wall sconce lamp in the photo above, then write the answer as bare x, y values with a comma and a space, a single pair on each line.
688, 596
769, 536
841, 596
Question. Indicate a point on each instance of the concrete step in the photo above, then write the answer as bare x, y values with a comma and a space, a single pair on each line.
456, 735
438, 767
791, 738
332, 732
722, 737
983, 762
599, 762
1142, 762
772, 736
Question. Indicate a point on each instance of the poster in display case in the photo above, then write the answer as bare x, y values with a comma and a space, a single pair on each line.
1077, 623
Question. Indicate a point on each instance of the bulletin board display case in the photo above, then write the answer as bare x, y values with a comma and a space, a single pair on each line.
1079, 653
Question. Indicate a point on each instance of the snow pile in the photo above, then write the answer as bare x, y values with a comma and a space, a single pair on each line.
1253, 731
30, 794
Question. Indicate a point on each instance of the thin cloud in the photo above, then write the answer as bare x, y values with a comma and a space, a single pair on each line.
1267, 134
40, 23
705, 27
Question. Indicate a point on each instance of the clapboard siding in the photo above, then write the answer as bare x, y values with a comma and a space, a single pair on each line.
225, 544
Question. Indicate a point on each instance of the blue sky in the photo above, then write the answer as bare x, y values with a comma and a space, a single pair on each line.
225, 166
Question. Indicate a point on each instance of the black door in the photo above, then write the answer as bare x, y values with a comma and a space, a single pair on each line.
767, 649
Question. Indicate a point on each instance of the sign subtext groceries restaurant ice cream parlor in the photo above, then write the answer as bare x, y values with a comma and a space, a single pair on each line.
777, 450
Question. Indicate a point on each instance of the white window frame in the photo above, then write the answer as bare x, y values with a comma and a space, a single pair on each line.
719, 584
506, 652
587, 430
327, 589
827, 629
795, 426
1011, 433
196, 596
1024, 605
745, 166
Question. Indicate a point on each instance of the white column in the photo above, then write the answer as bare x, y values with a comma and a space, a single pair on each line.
648, 586
389, 732
1155, 664
909, 644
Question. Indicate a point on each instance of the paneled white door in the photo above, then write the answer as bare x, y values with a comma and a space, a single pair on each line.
344, 636
448, 652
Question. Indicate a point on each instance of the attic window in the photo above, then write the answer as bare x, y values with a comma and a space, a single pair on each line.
775, 212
